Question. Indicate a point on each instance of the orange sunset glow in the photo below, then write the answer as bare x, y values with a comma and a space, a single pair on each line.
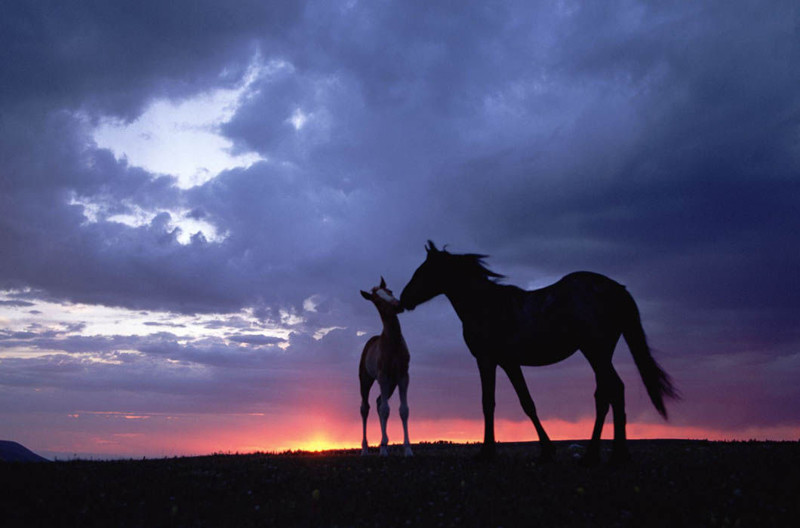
312, 437
190, 435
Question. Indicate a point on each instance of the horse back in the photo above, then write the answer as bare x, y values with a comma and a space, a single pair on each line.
544, 326
580, 304
586, 295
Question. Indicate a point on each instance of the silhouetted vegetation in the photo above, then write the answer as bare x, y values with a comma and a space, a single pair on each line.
668, 483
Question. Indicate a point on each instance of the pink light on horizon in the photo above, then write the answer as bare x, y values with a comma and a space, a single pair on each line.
193, 435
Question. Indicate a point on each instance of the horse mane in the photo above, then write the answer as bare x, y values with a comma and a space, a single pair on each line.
470, 264
473, 264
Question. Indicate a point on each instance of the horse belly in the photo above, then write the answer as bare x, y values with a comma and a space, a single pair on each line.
371, 362
543, 348
540, 358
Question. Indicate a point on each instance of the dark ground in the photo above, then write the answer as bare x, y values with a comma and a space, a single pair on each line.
669, 483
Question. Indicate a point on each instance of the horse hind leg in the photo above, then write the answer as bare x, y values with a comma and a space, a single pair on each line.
601, 404
619, 453
610, 392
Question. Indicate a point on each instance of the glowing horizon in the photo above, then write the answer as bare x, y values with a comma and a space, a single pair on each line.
191, 435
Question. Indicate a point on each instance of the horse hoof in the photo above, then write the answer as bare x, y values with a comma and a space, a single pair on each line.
364, 452
547, 453
384, 451
589, 460
546, 457
408, 452
486, 454
619, 458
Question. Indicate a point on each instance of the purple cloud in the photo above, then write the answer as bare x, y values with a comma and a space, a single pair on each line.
655, 144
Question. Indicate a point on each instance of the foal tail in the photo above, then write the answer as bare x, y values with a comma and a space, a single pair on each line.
657, 382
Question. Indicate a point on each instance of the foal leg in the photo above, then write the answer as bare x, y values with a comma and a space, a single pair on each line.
514, 373
366, 385
383, 412
403, 386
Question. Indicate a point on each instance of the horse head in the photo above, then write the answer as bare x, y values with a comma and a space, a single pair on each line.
428, 280
383, 299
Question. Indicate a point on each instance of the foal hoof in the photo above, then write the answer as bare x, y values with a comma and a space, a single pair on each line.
407, 452
384, 451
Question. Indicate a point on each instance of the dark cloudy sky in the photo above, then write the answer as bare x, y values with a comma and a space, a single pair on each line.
193, 192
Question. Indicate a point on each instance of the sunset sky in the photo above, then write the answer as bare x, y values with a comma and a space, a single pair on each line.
194, 192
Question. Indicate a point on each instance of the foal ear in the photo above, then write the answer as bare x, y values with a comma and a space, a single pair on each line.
383, 283
430, 247
366, 295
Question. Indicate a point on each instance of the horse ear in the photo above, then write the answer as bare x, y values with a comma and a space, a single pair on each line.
431, 247
366, 295
383, 282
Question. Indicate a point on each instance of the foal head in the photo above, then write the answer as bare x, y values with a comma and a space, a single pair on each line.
383, 299
438, 272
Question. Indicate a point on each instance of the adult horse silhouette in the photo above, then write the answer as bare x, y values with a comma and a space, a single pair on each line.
385, 358
511, 327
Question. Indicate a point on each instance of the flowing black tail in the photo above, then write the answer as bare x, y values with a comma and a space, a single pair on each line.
657, 382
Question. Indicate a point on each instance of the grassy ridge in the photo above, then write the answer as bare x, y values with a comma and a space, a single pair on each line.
688, 483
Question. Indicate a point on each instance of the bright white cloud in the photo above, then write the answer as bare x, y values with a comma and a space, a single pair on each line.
181, 138
136, 216
298, 119
310, 304
179, 219
66, 319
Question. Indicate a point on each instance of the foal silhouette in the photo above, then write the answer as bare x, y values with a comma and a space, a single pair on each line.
510, 327
385, 358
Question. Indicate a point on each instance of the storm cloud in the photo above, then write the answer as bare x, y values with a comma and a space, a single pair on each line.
655, 143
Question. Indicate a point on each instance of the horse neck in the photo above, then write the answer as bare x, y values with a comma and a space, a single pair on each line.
467, 295
391, 327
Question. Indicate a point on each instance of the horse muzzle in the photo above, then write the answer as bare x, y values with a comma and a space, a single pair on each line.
406, 306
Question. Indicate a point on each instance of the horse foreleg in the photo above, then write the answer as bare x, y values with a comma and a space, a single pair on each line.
488, 371
383, 413
514, 373
366, 384
403, 386
364, 414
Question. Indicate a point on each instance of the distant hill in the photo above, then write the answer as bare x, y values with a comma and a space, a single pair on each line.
14, 452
